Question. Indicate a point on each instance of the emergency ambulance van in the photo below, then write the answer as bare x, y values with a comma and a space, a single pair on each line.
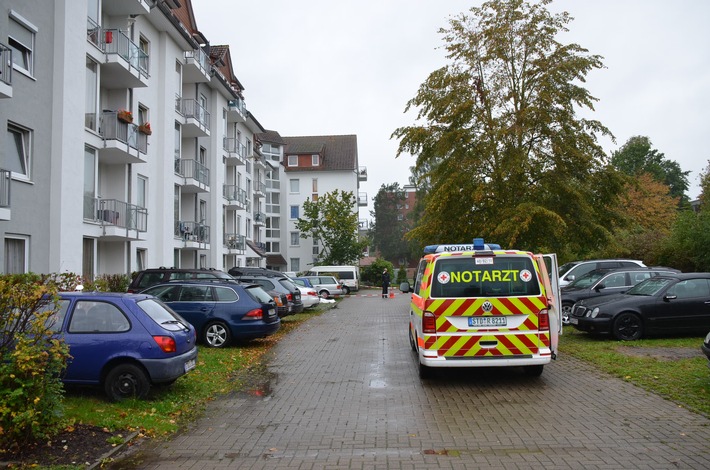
476, 305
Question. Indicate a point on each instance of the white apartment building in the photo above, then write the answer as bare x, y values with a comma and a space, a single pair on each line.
128, 144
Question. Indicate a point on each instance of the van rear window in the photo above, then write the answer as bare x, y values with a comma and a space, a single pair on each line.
498, 276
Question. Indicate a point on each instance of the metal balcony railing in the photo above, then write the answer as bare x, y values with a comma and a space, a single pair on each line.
259, 218
239, 105
112, 128
234, 193
5, 178
116, 213
5, 64
115, 41
200, 57
193, 169
192, 231
191, 108
235, 241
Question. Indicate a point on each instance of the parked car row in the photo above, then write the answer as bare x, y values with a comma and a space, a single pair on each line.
129, 343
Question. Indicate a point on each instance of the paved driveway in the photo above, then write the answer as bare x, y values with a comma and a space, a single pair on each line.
345, 394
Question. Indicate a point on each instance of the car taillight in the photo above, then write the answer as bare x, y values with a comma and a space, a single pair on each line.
429, 323
289, 297
543, 321
166, 343
256, 314
277, 299
312, 293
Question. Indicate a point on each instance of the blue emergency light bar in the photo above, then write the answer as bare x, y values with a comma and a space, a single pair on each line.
477, 245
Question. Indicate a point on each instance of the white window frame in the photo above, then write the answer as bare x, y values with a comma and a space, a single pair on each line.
290, 212
24, 152
315, 159
294, 186
295, 239
26, 253
293, 160
26, 51
296, 264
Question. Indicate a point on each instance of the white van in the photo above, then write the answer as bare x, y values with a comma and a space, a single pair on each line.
349, 275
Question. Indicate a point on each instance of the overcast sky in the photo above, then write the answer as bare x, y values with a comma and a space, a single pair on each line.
326, 67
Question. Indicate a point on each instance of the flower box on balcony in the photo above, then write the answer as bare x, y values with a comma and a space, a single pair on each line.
125, 116
145, 128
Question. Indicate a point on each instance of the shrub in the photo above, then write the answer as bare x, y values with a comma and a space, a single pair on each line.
108, 283
372, 274
31, 361
401, 275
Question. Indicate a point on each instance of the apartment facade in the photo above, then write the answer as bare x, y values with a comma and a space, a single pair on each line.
129, 143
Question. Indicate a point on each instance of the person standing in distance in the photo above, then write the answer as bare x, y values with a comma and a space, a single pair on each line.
385, 283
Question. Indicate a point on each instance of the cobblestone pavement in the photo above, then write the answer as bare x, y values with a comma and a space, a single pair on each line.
345, 394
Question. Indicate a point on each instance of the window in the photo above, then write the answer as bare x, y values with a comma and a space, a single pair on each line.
314, 189
140, 259
142, 115
295, 239
294, 186
295, 264
21, 39
97, 317
293, 160
142, 191
92, 94
294, 212
15, 255
17, 158
315, 160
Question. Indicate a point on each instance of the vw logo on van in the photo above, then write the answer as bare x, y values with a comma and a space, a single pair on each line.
487, 306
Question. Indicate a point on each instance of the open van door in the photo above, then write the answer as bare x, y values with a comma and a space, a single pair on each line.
549, 270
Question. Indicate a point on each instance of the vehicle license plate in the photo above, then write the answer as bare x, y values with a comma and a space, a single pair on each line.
573, 321
487, 321
272, 312
189, 365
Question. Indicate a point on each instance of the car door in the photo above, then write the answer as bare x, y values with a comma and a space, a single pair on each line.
196, 304
612, 283
684, 307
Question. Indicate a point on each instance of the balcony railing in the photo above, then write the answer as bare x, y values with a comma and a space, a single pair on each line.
239, 106
362, 199
235, 148
235, 241
197, 66
259, 218
259, 187
193, 169
234, 193
5, 178
115, 41
362, 173
112, 128
191, 108
192, 231
5, 64
116, 213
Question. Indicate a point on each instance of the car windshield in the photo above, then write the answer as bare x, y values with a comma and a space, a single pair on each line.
650, 286
587, 280
566, 267
259, 294
163, 315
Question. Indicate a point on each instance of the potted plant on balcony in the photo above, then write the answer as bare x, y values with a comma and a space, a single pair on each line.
145, 128
125, 115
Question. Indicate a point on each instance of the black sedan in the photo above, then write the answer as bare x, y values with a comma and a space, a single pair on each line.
602, 282
671, 303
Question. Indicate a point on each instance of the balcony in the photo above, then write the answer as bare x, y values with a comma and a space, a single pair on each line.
259, 219
197, 67
126, 64
237, 111
236, 151
123, 143
5, 179
120, 220
362, 173
196, 175
236, 197
194, 234
259, 189
125, 7
362, 199
235, 242
196, 119
5, 71
363, 224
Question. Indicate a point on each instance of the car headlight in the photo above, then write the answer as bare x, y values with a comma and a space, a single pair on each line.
595, 312
707, 338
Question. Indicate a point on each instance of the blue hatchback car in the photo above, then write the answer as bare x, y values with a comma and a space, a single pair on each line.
123, 342
221, 311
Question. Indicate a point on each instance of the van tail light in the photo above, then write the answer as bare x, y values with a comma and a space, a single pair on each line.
256, 314
166, 343
544, 321
429, 323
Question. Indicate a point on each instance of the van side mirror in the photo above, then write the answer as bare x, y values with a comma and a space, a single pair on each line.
405, 287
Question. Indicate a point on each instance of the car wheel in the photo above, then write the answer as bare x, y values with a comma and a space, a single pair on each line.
533, 371
412, 343
627, 327
346, 290
566, 312
126, 381
425, 372
217, 335
323, 294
